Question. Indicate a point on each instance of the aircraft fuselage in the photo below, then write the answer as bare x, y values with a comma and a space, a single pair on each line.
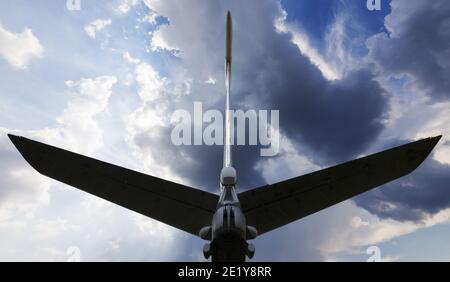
228, 232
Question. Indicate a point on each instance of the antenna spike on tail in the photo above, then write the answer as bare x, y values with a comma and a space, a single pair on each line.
228, 51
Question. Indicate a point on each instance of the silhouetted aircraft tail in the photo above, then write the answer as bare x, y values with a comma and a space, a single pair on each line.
233, 218
266, 208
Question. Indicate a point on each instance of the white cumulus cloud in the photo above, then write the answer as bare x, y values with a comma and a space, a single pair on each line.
19, 48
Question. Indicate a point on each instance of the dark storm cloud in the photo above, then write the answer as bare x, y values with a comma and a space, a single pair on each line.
333, 120
424, 192
418, 45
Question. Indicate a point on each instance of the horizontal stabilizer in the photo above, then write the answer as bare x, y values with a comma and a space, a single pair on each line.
272, 206
177, 205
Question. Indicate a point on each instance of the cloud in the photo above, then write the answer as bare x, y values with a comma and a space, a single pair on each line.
210, 80
19, 48
290, 161
369, 230
159, 43
126, 5
418, 45
435, 122
334, 233
129, 59
77, 123
151, 17
21, 188
300, 39
93, 27
149, 120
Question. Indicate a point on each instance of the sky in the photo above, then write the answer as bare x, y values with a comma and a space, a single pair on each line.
103, 80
